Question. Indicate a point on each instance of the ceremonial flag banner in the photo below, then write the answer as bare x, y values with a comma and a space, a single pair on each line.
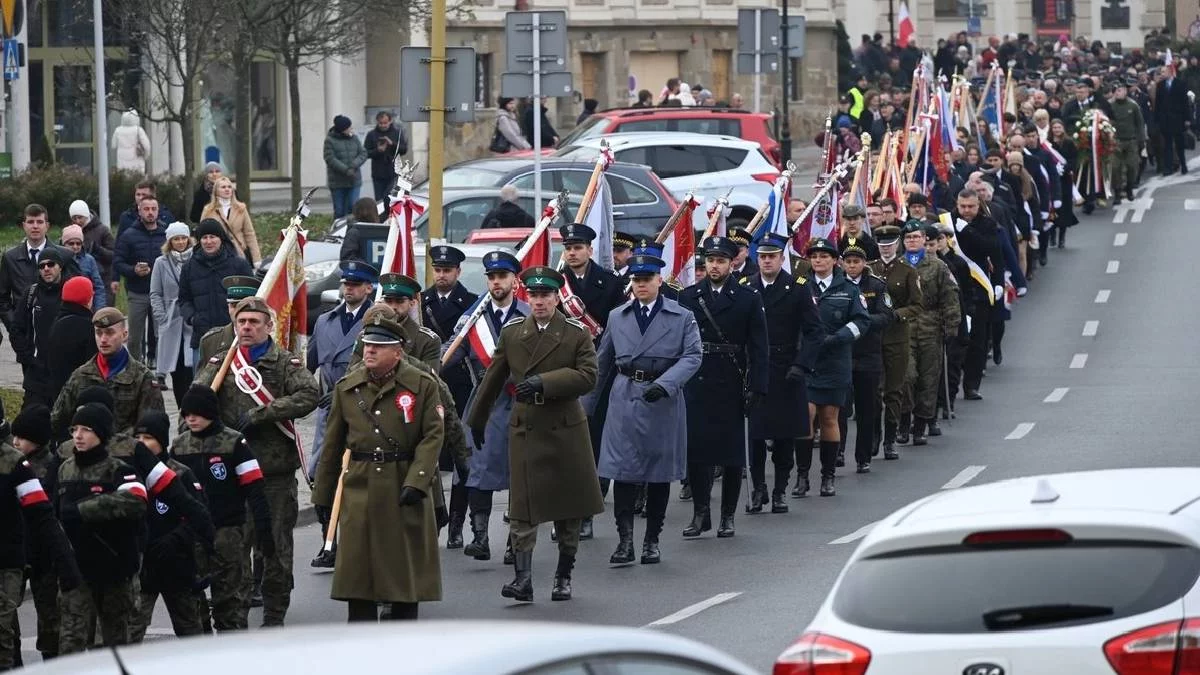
399, 257
287, 294
977, 272
534, 256
483, 345
680, 246
721, 229
907, 27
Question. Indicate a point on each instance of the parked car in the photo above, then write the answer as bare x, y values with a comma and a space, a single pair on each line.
1087, 572
426, 647
710, 166
512, 237
641, 203
750, 126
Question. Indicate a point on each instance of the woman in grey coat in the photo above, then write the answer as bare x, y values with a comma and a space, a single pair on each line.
174, 336
652, 348
344, 156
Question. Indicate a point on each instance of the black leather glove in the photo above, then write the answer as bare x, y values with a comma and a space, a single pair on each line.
326, 400
410, 495
477, 435
795, 374
753, 398
654, 392
526, 388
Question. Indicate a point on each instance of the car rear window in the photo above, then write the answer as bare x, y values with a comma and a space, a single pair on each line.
974, 590
711, 126
674, 161
468, 176
591, 127
725, 159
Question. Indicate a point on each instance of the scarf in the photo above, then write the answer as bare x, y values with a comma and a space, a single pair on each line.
111, 366
178, 258
914, 258
91, 457
226, 206
255, 352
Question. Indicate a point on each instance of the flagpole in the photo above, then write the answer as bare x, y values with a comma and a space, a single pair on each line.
839, 172
589, 196
404, 172
718, 211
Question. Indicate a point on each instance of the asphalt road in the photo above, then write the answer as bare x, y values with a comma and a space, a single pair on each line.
1098, 371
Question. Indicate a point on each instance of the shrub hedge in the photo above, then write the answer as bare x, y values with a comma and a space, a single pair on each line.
55, 186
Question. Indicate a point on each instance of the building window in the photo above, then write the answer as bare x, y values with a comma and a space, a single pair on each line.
483, 81
795, 84
945, 8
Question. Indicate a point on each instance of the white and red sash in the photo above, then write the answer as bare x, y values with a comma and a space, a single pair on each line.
577, 310
249, 381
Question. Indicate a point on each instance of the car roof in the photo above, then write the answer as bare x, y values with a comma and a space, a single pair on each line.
432, 647
501, 234
639, 138
691, 111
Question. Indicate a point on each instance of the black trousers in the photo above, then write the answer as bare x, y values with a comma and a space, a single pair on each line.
657, 495
976, 354
700, 477
368, 610
1173, 157
181, 377
865, 394
480, 501
783, 456
955, 353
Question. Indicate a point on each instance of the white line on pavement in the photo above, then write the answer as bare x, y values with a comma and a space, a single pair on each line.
1119, 213
1079, 360
965, 476
1102, 296
1090, 328
1020, 432
1056, 395
1140, 211
1120, 238
855, 535
693, 610
1191, 205
1113, 267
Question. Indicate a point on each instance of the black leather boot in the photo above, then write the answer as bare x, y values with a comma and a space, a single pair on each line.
757, 499
685, 491
454, 532
902, 430
802, 486
827, 486
650, 553
701, 522
508, 552
479, 548
918, 432
562, 577
521, 587
726, 529
778, 504
585, 529
324, 559
624, 553
933, 427
889, 441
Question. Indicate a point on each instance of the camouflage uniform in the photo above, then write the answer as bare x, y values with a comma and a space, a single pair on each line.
940, 319
224, 465
905, 291
215, 343
295, 392
135, 390
1131, 138
43, 583
102, 505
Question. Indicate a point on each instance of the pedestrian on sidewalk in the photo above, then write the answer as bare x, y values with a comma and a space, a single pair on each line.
174, 354
72, 240
344, 156
98, 241
71, 339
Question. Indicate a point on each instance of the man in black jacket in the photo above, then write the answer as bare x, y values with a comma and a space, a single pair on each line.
1171, 117
978, 241
383, 144
508, 213
549, 135
71, 338
30, 331
18, 266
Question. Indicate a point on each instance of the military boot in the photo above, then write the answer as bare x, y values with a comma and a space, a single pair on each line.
918, 432
827, 487
650, 552
934, 428
757, 499
624, 553
326, 559
454, 532
562, 576
521, 587
889, 441
701, 522
479, 548
778, 504
726, 529
801, 489
902, 430
508, 552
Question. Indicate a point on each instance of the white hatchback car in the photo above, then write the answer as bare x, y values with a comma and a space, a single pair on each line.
710, 166
1067, 574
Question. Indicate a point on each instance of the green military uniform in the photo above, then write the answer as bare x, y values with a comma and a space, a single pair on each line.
904, 288
1131, 138
393, 428
295, 396
800, 267
552, 473
43, 583
102, 506
939, 320
421, 342
134, 389
217, 339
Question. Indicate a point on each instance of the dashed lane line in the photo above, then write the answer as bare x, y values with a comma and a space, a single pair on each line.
855, 535
693, 610
1056, 395
1114, 266
1120, 238
1079, 361
1020, 432
1090, 328
1102, 296
963, 477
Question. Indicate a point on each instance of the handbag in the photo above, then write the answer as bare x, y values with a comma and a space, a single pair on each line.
499, 142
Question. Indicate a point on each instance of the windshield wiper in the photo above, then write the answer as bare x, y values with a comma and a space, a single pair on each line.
1038, 615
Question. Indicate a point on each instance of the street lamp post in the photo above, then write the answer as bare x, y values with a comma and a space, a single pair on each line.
785, 125
101, 114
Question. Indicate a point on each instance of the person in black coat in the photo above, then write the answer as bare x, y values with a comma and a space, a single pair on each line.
33, 318
866, 360
549, 135
508, 213
795, 334
202, 300
71, 339
956, 345
978, 241
383, 144
1172, 119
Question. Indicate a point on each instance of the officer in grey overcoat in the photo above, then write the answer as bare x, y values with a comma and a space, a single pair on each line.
651, 349
329, 353
488, 467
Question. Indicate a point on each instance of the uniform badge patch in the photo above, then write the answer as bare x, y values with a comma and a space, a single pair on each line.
887, 300
441, 411
863, 300
161, 508
404, 403
218, 470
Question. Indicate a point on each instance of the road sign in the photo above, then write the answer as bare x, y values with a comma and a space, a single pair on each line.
767, 63
519, 85
974, 26
797, 28
13, 14
761, 22
12, 59
552, 45
414, 84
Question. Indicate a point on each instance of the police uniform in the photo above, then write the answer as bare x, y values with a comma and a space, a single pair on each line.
670, 286
904, 288
732, 377
867, 365
553, 470
423, 343
623, 244
938, 321
329, 352
651, 350
392, 427
742, 238
217, 340
266, 418
600, 291
795, 333
133, 385
101, 504
844, 320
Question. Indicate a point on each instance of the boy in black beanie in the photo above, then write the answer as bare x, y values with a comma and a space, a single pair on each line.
169, 564
231, 477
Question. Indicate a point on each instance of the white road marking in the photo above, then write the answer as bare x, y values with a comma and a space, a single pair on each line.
1020, 432
965, 476
1090, 328
693, 610
1120, 238
1056, 395
1120, 211
1102, 296
1079, 360
1114, 266
1140, 211
855, 535
1191, 205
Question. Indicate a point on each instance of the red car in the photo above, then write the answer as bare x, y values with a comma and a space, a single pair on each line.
716, 121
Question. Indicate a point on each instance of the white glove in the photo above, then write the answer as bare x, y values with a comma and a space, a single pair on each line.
1058, 203
999, 292
1045, 215
1022, 291
968, 323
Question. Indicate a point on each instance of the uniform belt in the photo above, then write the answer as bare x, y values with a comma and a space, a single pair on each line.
380, 457
782, 349
719, 348
639, 375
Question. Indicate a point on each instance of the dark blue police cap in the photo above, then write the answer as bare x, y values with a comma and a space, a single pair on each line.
446, 256
646, 264
359, 271
772, 243
649, 247
577, 233
501, 261
719, 246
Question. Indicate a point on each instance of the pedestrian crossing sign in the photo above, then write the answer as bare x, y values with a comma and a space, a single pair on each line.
12, 59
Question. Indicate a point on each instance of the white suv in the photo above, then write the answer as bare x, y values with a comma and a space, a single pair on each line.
1091, 572
707, 165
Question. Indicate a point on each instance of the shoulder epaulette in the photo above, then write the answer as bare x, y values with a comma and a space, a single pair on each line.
576, 323
744, 280
513, 321
430, 333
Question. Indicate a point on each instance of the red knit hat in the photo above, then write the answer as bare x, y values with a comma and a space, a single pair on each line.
78, 290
